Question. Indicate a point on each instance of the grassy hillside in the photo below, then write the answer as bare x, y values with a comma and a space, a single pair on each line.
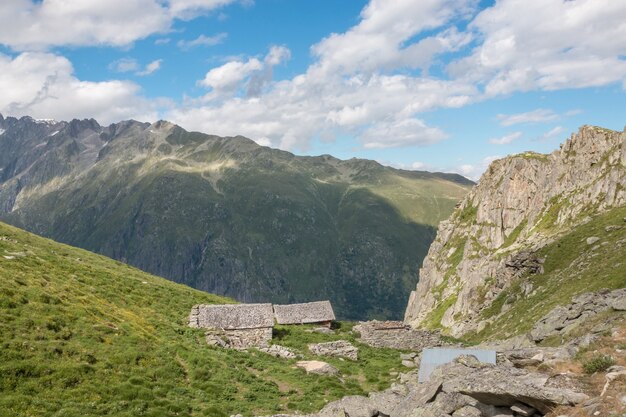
572, 267
83, 335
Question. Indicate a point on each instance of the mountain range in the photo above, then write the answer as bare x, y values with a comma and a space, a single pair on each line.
226, 215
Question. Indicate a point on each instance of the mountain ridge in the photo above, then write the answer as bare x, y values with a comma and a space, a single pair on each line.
226, 215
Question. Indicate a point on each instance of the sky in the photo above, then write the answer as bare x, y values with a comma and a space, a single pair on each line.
439, 85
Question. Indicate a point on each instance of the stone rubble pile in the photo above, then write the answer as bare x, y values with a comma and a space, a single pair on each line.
396, 335
279, 351
337, 349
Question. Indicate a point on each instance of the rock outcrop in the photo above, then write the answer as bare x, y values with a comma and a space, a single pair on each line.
564, 318
521, 204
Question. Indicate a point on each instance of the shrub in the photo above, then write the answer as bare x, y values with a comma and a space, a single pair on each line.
598, 363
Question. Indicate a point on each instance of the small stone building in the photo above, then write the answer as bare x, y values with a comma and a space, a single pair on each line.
320, 312
237, 326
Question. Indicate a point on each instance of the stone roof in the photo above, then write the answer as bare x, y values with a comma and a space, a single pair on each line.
315, 312
232, 316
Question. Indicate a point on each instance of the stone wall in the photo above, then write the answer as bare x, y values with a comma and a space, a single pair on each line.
314, 312
240, 339
232, 316
396, 335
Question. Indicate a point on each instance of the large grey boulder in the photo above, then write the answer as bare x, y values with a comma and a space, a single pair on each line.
506, 387
352, 406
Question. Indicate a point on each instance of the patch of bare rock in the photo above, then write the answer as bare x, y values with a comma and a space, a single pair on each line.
317, 367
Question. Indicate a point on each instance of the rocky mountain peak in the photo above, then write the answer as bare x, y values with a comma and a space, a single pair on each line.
521, 203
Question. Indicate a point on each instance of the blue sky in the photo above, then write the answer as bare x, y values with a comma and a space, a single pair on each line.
431, 84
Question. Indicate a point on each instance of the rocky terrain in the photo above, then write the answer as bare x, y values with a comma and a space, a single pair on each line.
226, 215
535, 231
584, 375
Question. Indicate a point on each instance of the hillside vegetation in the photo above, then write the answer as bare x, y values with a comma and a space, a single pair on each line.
226, 215
83, 335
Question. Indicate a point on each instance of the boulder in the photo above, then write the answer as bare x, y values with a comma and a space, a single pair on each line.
317, 367
351, 406
506, 387
592, 239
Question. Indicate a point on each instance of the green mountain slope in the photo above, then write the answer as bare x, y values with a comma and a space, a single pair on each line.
83, 335
226, 215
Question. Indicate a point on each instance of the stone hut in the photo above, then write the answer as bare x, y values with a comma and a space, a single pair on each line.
237, 326
316, 312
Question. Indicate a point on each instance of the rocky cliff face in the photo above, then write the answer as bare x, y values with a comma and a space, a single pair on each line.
494, 238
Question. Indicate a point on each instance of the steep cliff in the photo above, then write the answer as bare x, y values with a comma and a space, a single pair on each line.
519, 229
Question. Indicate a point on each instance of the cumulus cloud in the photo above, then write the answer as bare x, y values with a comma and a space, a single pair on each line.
400, 133
506, 139
48, 88
373, 81
202, 40
524, 48
29, 24
228, 76
355, 85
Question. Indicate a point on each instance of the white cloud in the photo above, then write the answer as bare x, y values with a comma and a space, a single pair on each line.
383, 38
29, 24
352, 87
228, 76
202, 40
552, 133
474, 171
43, 85
132, 65
400, 133
151, 68
124, 65
535, 116
546, 45
188, 9
506, 139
